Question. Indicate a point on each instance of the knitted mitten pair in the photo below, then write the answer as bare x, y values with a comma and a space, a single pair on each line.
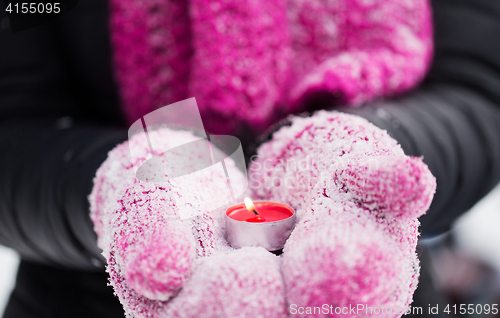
358, 197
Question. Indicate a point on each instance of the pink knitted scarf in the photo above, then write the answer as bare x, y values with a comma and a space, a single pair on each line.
250, 62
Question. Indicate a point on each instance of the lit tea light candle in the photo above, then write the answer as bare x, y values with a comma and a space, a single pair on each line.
262, 223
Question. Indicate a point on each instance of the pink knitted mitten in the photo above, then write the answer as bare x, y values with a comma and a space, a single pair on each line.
359, 197
164, 264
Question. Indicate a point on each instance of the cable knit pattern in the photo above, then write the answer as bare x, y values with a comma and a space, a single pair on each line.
250, 62
152, 253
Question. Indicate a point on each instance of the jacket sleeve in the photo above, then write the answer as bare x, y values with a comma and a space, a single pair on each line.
56, 128
453, 119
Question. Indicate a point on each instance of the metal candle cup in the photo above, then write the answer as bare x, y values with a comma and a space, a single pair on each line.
271, 233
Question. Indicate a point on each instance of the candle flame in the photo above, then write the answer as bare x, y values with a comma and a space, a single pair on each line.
249, 204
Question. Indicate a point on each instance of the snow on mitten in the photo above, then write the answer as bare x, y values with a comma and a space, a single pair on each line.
358, 197
164, 264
